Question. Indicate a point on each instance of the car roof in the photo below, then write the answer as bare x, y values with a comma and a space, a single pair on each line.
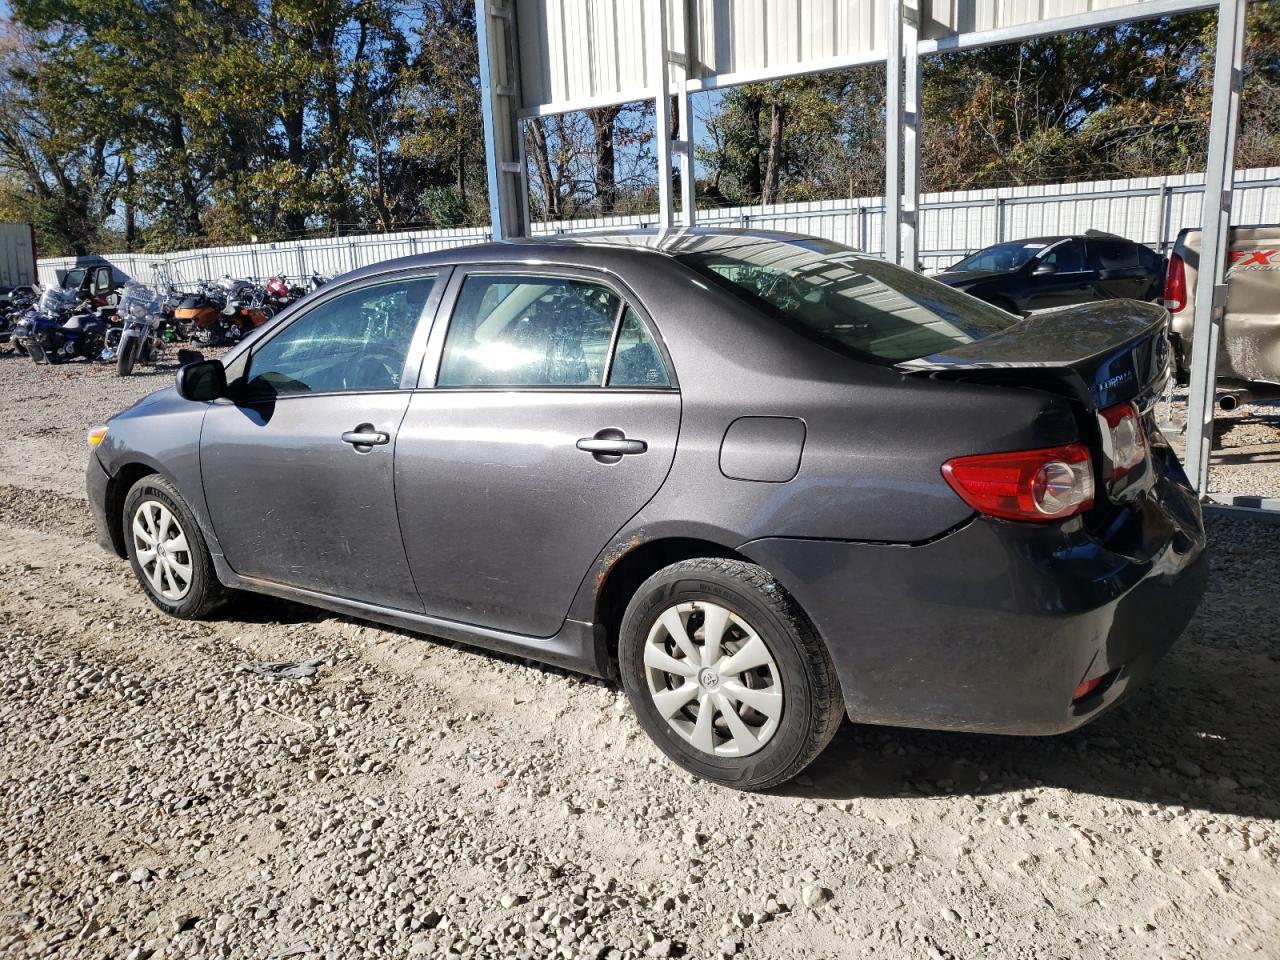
1056, 238
609, 248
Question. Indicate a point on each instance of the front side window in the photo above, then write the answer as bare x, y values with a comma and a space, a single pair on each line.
848, 301
357, 341
1001, 258
509, 331
1067, 257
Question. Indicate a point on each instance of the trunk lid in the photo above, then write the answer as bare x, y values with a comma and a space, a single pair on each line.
1101, 353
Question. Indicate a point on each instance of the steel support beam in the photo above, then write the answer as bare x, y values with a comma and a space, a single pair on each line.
893, 135
1211, 287
684, 113
661, 79
499, 102
910, 213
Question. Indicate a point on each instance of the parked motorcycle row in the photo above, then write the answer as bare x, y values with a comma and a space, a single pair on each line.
136, 323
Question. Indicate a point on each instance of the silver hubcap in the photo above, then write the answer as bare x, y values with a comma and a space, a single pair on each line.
162, 551
713, 679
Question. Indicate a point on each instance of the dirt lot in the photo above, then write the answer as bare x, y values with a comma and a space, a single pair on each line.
415, 798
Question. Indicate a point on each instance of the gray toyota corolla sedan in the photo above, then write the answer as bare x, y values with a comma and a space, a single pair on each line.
763, 479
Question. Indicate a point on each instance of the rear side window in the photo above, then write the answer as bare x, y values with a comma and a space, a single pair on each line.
510, 331
845, 300
636, 360
1114, 254
355, 342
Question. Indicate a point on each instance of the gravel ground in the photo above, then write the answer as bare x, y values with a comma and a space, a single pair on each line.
1246, 459
416, 798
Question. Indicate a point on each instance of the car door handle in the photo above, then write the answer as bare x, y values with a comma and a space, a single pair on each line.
365, 436
610, 445
619, 447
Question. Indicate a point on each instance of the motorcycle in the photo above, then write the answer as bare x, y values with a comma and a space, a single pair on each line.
278, 294
139, 337
221, 313
16, 304
61, 329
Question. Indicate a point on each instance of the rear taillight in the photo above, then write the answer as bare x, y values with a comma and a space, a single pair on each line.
1125, 440
1037, 485
1175, 284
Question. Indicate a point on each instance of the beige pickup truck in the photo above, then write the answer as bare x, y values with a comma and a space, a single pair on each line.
1249, 354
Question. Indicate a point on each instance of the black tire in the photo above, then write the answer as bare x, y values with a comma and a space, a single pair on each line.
204, 592
126, 353
812, 705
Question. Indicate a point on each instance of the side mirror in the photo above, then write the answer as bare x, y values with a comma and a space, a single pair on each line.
202, 381
1044, 269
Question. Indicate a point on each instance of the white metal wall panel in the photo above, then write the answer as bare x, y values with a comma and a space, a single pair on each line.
741, 37
581, 53
17, 259
577, 52
944, 18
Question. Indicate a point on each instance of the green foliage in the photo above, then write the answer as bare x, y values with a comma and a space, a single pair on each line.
188, 122
444, 207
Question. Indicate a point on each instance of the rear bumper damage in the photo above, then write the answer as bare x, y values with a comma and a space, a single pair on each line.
994, 626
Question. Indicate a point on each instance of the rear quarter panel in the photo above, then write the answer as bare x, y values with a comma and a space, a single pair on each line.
875, 439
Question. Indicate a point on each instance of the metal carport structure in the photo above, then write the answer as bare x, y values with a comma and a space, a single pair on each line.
543, 57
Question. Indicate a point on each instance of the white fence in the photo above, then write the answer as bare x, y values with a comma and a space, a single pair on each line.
1150, 210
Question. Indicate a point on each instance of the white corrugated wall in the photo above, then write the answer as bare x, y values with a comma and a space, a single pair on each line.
575, 52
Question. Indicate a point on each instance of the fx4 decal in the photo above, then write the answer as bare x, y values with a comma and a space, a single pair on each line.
1255, 260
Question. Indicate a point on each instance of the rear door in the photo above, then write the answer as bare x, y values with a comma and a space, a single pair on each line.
1120, 272
548, 419
298, 472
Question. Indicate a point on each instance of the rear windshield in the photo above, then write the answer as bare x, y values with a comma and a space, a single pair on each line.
853, 303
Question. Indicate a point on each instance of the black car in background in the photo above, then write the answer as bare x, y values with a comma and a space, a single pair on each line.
1046, 272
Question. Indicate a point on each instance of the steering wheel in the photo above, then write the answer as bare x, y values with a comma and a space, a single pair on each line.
784, 292
375, 368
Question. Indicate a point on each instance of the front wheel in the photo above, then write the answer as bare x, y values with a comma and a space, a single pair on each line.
727, 675
126, 353
167, 551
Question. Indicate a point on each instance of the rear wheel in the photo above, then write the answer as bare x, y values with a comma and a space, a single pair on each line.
727, 675
167, 551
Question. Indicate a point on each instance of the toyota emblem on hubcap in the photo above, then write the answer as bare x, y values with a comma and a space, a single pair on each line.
709, 678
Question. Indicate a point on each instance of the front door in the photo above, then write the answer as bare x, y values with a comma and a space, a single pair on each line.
298, 472
552, 422
1069, 282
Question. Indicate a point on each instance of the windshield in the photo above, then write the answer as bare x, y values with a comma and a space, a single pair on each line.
1002, 258
846, 300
